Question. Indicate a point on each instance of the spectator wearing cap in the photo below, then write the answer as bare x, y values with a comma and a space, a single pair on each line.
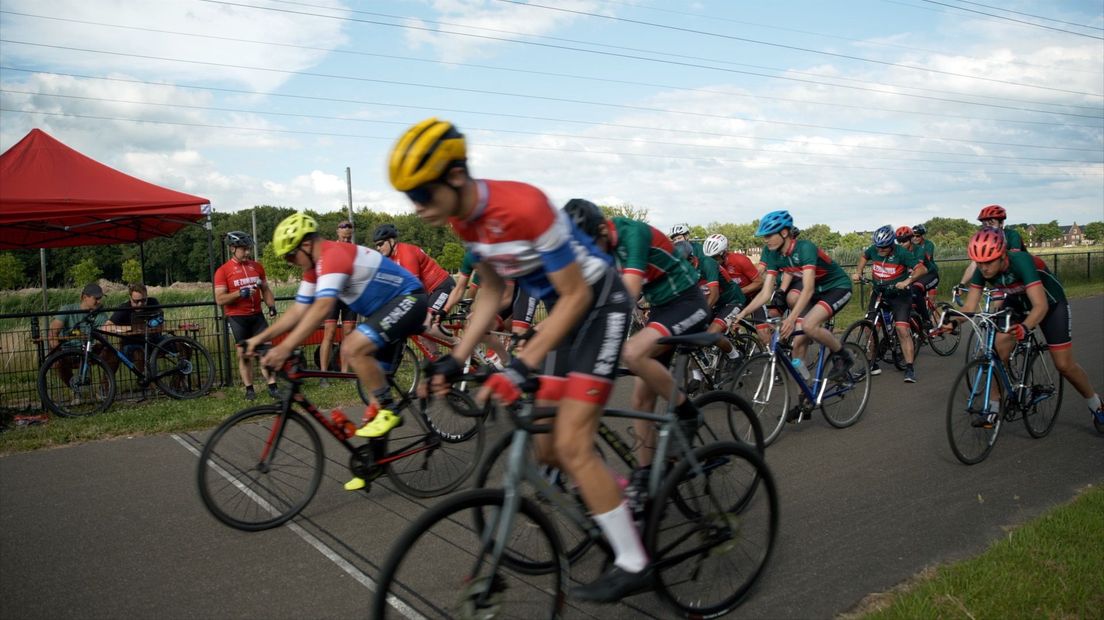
240, 286
70, 316
341, 312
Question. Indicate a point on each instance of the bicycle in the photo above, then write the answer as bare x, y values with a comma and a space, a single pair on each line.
876, 333
716, 504
78, 381
764, 381
1030, 389
263, 465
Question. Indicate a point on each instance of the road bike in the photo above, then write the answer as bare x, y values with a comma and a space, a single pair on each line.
709, 369
709, 532
989, 392
78, 380
263, 465
877, 335
764, 381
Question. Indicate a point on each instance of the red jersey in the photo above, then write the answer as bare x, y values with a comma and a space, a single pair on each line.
414, 259
739, 269
236, 276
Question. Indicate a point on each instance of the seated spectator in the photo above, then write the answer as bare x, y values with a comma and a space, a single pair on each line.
67, 330
139, 314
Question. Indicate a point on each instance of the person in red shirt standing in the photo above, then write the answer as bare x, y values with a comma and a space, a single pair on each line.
341, 312
240, 286
414, 259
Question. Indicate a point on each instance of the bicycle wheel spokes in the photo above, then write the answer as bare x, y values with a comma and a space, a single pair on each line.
429, 464
969, 397
707, 558
260, 468
1043, 397
182, 368
762, 383
441, 568
845, 397
727, 417
72, 384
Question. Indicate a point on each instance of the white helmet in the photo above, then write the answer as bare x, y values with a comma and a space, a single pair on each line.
714, 245
679, 229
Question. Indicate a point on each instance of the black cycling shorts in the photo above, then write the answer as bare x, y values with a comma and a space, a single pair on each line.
524, 309
685, 314
929, 281
437, 298
1057, 325
343, 313
723, 312
833, 300
247, 326
900, 302
389, 327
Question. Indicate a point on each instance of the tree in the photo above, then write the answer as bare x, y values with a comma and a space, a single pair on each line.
1047, 232
276, 268
853, 241
84, 272
451, 256
821, 235
132, 271
11, 271
1094, 231
625, 209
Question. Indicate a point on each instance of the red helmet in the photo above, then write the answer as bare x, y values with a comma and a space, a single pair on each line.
904, 233
987, 244
992, 212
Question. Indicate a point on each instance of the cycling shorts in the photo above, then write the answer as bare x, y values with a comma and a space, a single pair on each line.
437, 298
389, 326
685, 314
523, 310
1057, 325
246, 326
833, 300
722, 313
899, 302
927, 282
342, 312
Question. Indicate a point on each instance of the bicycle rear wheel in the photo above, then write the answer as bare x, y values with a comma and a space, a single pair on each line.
408, 371
862, 333
764, 384
260, 468
845, 397
971, 443
707, 559
1043, 400
944, 344
423, 463
181, 367
471, 584
727, 417
72, 384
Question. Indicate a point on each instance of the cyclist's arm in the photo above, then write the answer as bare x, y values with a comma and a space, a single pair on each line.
266, 290
574, 301
1037, 296
859, 268
222, 297
917, 271
311, 316
714, 294
457, 293
760, 300
634, 283
483, 311
292, 316
968, 274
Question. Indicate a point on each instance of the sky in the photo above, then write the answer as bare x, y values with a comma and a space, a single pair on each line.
852, 114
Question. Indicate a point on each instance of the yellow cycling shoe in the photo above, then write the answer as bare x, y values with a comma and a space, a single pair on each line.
380, 425
356, 484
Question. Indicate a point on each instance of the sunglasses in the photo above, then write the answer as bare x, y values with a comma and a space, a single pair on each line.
290, 256
137, 301
345, 226
380, 244
423, 194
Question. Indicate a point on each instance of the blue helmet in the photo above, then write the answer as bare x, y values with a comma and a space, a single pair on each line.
884, 237
774, 222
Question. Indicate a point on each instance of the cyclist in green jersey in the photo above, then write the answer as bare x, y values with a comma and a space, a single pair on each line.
722, 294
823, 288
925, 254
994, 216
1037, 300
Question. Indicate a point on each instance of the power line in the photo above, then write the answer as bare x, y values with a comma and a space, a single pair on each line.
797, 48
1049, 19
439, 109
641, 58
583, 77
1018, 21
575, 152
545, 98
634, 140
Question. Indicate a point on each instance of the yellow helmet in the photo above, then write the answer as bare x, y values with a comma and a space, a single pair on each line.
290, 232
424, 153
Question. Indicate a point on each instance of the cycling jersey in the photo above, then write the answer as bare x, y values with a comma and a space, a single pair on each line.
414, 259
362, 278
925, 253
712, 276
234, 276
517, 231
896, 267
1020, 274
797, 255
739, 268
643, 250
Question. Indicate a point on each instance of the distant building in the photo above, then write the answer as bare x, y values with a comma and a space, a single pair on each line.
1072, 235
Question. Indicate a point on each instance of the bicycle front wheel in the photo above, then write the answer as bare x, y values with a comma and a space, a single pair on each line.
1043, 398
726, 417
862, 333
424, 463
181, 367
73, 384
845, 397
708, 558
763, 383
969, 398
467, 581
260, 468
945, 344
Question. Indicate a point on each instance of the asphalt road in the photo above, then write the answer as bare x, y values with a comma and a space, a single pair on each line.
115, 529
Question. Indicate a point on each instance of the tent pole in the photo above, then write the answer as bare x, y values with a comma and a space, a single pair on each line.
42, 265
225, 340
142, 258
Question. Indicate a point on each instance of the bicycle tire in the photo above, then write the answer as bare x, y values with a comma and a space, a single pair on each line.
764, 384
944, 344
575, 542
971, 444
863, 333
245, 494
435, 466
402, 593
405, 378
747, 346
734, 420
845, 389
190, 365
735, 529
79, 396
1045, 387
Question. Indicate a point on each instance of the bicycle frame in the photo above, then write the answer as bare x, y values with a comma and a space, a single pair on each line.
819, 380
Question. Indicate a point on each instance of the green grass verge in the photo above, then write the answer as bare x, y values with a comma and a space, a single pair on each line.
161, 415
1052, 567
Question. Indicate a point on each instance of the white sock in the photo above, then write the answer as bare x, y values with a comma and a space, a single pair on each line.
620, 531
1094, 402
734, 353
697, 374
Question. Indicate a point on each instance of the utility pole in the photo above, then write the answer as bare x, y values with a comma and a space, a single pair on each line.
253, 214
349, 187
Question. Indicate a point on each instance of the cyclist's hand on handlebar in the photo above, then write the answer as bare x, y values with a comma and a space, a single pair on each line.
1019, 330
510, 383
789, 324
275, 357
856, 277
440, 375
248, 347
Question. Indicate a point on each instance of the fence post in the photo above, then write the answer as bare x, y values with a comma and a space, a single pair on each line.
1088, 266
1055, 255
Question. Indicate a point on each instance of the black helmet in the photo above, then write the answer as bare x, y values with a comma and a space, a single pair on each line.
586, 215
385, 231
919, 229
238, 239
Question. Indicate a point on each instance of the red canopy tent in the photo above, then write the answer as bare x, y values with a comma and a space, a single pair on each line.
52, 196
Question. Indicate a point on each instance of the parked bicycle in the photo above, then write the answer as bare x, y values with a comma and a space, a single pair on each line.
263, 465
79, 380
709, 532
989, 392
764, 381
877, 335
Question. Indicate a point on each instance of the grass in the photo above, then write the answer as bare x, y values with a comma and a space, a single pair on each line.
1051, 567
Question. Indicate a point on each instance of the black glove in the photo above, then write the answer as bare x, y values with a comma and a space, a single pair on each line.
447, 366
245, 293
272, 312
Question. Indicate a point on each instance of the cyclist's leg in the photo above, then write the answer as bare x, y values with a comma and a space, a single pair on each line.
1057, 328
901, 305
348, 324
381, 335
436, 302
329, 328
828, 304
